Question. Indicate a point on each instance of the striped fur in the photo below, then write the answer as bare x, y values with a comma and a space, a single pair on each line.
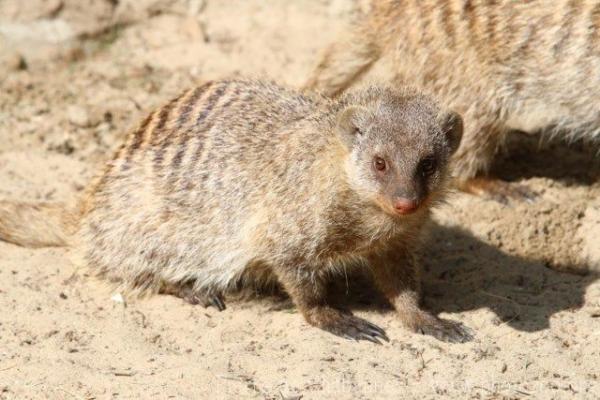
241, 182
504, 65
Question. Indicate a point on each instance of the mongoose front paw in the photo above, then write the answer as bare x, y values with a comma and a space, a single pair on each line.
445, 330
499, 190
188, 294
347, 325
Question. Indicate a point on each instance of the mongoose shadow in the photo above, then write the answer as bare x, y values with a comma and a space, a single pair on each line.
463, 273
530, 156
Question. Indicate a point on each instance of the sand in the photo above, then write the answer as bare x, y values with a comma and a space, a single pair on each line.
77, 75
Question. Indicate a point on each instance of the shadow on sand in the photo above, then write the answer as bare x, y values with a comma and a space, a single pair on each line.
527, 156
463, 273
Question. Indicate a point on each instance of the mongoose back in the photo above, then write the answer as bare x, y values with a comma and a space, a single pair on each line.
503, 65
239, 181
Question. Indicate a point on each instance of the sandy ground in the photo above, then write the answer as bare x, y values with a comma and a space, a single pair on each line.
76, 75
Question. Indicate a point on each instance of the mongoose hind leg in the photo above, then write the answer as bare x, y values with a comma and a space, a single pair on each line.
193, 296
483, 136
396, 273
498, 190
308, 291
444, 329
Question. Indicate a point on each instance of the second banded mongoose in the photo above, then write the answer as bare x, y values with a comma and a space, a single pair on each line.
503, 65
240, 180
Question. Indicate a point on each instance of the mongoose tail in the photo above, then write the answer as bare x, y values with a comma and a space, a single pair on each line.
35, 225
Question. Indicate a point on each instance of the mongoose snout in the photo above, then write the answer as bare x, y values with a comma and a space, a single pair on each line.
405, 206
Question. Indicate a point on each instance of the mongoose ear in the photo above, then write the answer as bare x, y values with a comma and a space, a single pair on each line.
347, 124
452, 126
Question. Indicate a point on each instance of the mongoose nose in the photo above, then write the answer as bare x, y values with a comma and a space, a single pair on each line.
405, 206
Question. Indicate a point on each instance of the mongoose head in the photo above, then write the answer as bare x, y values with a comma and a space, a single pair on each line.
400, 144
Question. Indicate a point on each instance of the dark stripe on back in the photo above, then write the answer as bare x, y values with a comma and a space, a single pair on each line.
104, 178
199, 131
159, 138
467, 8
468, 14
447, 21
138, 136
509, 30
210, 103
198, 127
530, 32
163, 117
492, 23
593, 40
187, 108
183, 118
232, 98
202, 125
566, 29
424, 20
138, 139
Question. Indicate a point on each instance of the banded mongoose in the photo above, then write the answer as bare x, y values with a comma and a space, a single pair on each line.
239, 180
503, 65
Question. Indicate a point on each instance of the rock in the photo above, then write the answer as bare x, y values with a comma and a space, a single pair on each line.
78, 116
48, 31
31, 10
12, 61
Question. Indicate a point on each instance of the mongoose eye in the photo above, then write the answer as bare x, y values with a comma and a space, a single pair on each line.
428, 166
379, 164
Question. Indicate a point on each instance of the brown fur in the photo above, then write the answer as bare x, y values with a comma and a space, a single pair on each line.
504, 65
36, 225
238, 182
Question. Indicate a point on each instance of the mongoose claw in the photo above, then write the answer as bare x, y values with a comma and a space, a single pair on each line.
499, 190
354, 328
217, 302
206, 300
377, 331
446, 330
